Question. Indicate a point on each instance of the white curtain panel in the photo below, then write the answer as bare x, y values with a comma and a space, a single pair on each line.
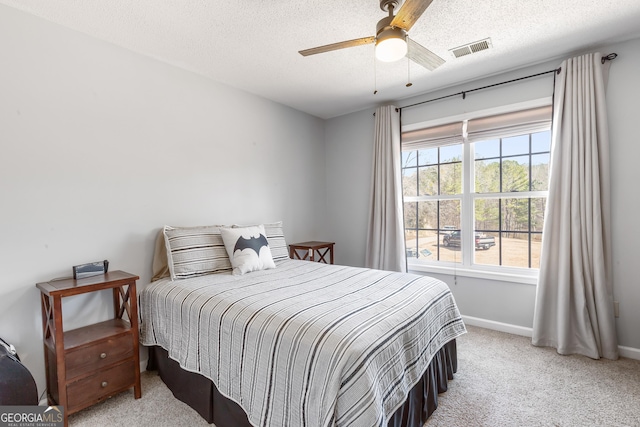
574, 299
385, 235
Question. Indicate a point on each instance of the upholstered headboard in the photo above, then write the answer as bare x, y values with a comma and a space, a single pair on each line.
160, 267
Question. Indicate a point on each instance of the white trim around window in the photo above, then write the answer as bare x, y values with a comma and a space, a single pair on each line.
504, 274
468, 198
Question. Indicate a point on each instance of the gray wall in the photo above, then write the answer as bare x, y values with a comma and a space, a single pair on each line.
623, 96
349, 147
349, 162
100, 147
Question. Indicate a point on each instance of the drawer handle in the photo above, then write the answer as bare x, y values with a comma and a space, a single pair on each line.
103, 355
104, 384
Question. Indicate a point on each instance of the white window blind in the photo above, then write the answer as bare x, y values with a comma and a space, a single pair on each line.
436, 136
481, 129
509, 124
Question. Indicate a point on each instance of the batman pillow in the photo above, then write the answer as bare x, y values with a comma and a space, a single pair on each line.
248, 248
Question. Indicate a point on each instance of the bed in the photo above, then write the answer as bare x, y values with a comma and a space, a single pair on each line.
303, 344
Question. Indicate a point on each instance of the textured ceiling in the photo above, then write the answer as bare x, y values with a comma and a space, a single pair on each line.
253, 44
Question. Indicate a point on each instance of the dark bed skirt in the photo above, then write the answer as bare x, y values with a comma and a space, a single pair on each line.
202, 395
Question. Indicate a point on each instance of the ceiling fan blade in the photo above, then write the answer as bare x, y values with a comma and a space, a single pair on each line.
336, 46
423, 56
409, 13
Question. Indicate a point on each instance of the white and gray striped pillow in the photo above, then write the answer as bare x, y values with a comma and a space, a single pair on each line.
195, 251
275, 237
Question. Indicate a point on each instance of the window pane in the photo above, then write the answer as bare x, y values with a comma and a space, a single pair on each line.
411, 243
428, 181
427, 245
536, 247
538, 206
490, 256
410, 182
515, 145
487, 149
515, 174
449, 237
428, 215
450, 213
450, 248
541, 141
409, 158
428, 156
451, 178
515, 214
487, 176
410, 214
540, 172
515, 251
451, 153
487, 214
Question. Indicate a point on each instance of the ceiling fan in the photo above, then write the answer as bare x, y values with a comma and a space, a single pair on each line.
391, 39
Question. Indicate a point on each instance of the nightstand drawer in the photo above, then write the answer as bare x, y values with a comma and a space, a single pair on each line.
102, 353
93, 388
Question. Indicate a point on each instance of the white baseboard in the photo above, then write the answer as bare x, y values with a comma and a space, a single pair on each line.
628, 352
498, 326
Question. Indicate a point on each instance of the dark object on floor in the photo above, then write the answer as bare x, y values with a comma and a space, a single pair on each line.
17, 386
202, 395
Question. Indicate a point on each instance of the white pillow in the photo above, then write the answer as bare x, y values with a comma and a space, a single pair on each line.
277, 242
195, 251
248, 248
275, 237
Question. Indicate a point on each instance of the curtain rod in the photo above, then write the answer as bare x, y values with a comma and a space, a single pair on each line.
464, 93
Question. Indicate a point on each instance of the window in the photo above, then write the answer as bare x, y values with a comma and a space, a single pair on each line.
475, 191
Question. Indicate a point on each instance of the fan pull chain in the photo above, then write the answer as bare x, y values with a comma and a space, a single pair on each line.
375, 74
409, 84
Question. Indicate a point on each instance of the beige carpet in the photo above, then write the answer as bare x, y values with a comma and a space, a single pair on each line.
502, 381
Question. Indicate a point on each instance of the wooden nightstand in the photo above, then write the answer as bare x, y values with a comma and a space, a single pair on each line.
312, 248
87, 365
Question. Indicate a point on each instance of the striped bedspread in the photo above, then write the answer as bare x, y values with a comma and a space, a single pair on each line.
305, 344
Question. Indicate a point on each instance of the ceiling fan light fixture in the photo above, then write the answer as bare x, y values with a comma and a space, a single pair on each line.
391, 44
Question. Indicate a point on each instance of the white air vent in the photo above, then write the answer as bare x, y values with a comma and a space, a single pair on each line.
470, 48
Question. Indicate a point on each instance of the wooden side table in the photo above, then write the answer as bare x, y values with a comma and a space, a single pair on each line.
310, 249
87, 365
